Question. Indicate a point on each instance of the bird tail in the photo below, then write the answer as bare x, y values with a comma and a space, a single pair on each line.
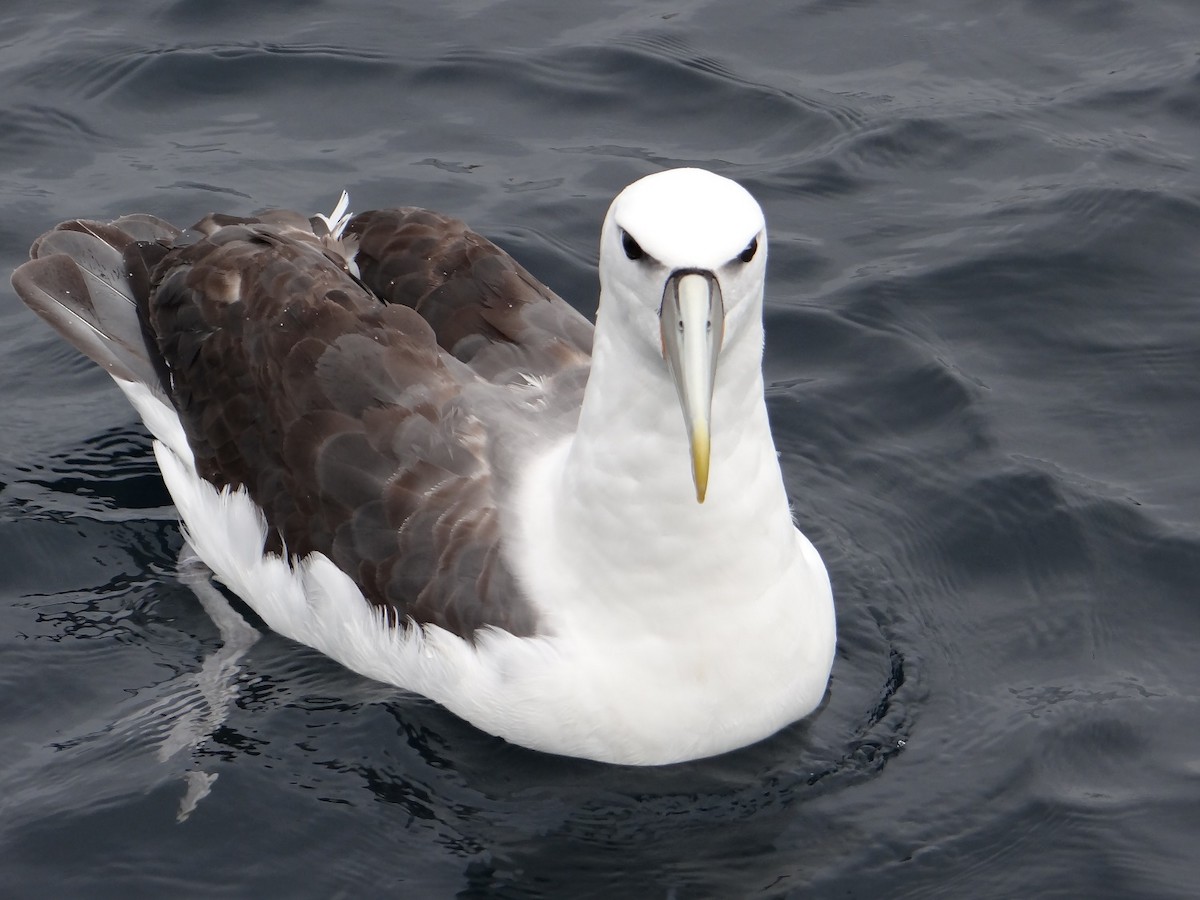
91, 281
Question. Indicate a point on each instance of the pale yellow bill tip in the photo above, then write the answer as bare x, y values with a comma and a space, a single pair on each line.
700, 453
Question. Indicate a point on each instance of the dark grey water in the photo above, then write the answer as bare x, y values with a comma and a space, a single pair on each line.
984, 359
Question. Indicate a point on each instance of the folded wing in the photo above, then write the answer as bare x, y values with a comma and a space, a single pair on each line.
354, 408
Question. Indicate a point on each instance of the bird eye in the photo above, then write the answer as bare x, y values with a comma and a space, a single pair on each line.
632, 248
748, 254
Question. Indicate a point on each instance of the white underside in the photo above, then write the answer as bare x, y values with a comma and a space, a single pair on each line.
597, 683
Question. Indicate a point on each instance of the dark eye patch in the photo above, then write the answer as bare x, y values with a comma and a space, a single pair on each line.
748, 254
631, 247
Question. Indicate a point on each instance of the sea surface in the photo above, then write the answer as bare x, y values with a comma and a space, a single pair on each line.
983, 359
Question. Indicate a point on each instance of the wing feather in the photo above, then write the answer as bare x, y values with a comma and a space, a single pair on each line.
485, 308
344, 382
341, 416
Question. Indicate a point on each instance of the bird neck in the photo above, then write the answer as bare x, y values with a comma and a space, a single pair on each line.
625, 484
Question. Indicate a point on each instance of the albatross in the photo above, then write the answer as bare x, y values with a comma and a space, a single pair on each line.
400, 448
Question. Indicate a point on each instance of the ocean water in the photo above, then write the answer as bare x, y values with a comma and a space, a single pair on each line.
983, 359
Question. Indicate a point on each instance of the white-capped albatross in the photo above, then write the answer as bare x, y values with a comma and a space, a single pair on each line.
401, 449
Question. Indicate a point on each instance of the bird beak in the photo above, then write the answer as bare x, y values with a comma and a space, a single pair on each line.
692, 321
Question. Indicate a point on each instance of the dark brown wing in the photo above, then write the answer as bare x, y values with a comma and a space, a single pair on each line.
339, 413
484, 308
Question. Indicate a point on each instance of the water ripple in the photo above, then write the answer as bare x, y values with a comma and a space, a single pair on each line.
172, 74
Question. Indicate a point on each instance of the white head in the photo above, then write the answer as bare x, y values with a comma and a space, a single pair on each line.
682, 259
